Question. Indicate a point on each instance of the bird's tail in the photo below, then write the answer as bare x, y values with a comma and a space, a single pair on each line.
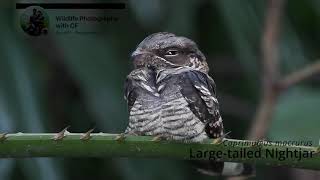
214, 168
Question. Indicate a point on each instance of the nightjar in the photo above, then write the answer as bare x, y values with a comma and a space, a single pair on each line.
170, 95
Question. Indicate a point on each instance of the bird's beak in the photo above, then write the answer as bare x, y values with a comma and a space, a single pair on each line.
138, 52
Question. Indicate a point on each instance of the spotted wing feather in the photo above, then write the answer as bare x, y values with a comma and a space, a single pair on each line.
199, 91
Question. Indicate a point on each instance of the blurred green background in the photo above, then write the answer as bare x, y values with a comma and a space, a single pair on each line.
47, 83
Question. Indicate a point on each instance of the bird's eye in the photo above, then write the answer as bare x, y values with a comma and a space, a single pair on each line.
172, 52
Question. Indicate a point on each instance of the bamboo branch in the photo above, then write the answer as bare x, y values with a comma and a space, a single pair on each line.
270, 73
300, 75
104, 145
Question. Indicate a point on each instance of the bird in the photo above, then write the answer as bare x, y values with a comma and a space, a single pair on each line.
171, 96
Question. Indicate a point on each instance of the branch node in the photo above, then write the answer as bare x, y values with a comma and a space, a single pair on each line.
87, 135
219, 140
61, 134
317, 151
3, 137
121, 137
157, 138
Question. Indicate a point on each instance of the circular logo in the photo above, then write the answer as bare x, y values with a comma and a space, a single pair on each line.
34, 21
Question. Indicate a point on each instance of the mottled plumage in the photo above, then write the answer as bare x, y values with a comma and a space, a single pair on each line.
177, 103
170, 94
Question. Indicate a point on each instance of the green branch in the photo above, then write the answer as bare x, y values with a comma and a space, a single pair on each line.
105, 145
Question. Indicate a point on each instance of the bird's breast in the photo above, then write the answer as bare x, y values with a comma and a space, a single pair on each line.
167, 115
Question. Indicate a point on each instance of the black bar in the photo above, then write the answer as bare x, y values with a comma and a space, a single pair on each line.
73, 5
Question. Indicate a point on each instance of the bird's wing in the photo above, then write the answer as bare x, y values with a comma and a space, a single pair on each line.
140, 81
199, 91
130, 92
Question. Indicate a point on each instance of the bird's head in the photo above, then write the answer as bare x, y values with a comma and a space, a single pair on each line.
166, 50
